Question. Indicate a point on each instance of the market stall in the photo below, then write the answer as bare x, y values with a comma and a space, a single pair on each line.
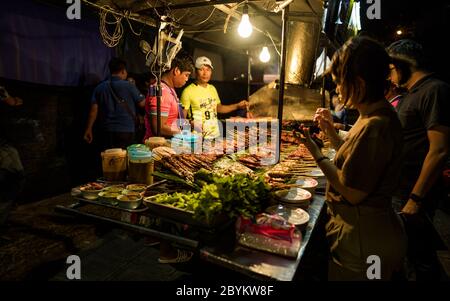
238, 209
248, 200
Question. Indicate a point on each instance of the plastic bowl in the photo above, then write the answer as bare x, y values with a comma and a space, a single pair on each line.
297, 197
295, 216
307, 183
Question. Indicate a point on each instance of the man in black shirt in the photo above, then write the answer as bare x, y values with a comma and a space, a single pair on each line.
425, 116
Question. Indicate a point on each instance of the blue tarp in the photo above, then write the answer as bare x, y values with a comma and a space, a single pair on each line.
39, 44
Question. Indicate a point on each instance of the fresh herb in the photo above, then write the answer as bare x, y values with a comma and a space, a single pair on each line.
235, 195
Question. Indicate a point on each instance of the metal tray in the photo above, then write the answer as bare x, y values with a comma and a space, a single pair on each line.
141, 208
183, 216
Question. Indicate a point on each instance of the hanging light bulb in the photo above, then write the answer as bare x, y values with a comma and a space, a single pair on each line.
245, 28
264, 56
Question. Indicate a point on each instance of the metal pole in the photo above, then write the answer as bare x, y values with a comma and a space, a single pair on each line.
323, 76
158, 88
285, 14
249, 74
178, 239
158, 106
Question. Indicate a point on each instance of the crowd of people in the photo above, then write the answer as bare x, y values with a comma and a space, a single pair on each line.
201, 102
390, 161
384, 184
116, 101
364, 173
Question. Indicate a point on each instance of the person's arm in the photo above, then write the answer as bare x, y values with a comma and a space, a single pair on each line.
90, 123
325, 120
166, 130
138, 97
224, 109
141, 104
438, 151
333, 174
335, 139
185, 101
13, 101
8, 99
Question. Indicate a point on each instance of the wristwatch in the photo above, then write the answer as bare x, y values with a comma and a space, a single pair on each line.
416, 198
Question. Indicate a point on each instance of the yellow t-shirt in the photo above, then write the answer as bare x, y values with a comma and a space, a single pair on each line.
201, 105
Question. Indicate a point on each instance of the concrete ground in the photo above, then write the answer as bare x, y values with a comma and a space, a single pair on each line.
37, 242
122, 256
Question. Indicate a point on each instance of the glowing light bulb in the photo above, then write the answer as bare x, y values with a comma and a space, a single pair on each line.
399, 32
245, 28
264, 56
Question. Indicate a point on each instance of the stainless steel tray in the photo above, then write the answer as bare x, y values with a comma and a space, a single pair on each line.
183, 216
97, 202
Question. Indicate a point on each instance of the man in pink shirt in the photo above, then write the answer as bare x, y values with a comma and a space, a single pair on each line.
176, 77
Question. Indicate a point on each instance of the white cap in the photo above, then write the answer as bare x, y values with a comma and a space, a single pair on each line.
203, 60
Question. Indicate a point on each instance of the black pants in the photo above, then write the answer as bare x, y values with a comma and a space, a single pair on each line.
117, 140
423, 241
422, 246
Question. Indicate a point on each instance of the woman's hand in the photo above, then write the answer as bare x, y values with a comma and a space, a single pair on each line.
309, 143
325, 120
324, 114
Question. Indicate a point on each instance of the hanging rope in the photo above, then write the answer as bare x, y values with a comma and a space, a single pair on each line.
112, 40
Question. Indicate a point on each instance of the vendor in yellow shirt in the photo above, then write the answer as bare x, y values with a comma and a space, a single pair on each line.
201, 103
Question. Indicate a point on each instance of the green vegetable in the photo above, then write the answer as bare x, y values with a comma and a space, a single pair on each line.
175, 179
233, 195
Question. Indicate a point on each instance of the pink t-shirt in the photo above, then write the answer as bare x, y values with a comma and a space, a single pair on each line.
394, 101
169, 108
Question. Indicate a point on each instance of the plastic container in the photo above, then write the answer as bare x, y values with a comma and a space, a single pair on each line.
185, 142
114, 164
140, 167
137, 147
154, 142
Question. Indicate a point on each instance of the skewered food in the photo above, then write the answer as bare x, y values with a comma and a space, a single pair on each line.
185, 165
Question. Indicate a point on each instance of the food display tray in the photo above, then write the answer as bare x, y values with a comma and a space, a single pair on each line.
184, 216
97, 202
